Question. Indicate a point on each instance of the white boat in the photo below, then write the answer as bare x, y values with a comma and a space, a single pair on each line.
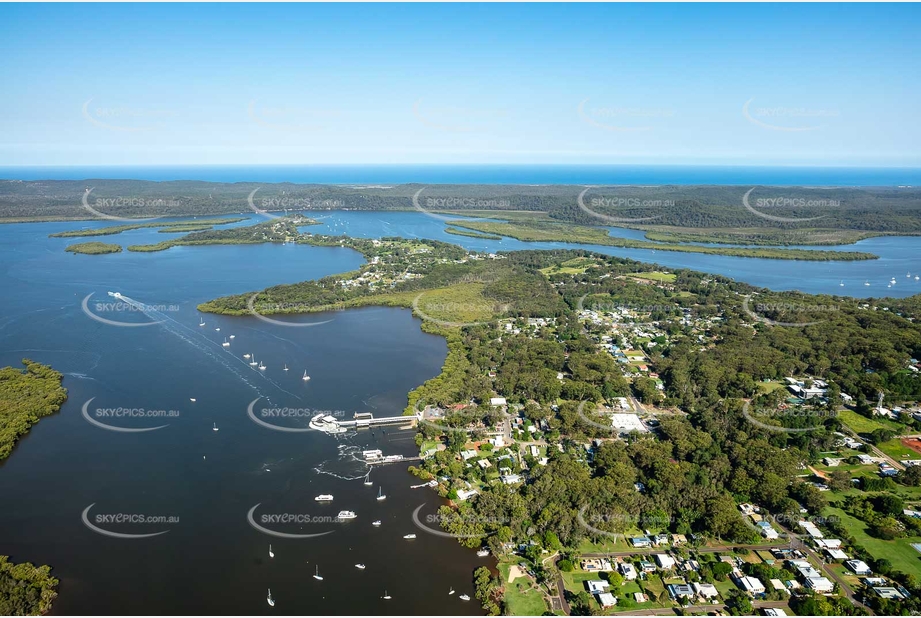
192, 399
376, 523
271, 553
214, 428
380, 495
841, 284
409, 536
270, 600
286, 366
253, 362
917, 277
306, 377
451, 591
464, 597
201, 322
483, 553
866, 283
218, 329
261, 366
360, 566
318, 576
368, 478
346, 515
233, 336
324, 498
226, 343
246, 356
386, 596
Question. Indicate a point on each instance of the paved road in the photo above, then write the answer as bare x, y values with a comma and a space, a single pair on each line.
671, 611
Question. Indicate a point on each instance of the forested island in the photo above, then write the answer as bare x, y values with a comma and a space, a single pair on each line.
94, 248
550, 341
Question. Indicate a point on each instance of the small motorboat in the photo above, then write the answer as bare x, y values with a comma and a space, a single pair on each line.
376, 523
218, 329
360, 566
409, 536
246, 356
233, 336
464, 597
483, 553
346, 515
324, 498
192, 399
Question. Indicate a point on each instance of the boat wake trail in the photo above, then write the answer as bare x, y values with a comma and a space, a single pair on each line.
213, 350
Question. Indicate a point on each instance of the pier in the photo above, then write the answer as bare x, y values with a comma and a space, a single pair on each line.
366, 419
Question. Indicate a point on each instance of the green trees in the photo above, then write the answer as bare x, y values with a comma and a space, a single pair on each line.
25, 589
25, 397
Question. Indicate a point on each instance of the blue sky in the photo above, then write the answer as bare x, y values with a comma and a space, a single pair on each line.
789, 84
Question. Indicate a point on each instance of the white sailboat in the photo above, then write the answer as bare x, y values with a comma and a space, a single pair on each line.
318, 576
270, 600
201, 321
306, 377
386, 596
271, 553
866, 283
261, 366
368, 479
451, 591
380, 495
841, 284
253, 362
214, 428
286, 366
226, 343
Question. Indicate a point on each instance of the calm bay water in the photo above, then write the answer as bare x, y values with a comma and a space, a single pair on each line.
211, 560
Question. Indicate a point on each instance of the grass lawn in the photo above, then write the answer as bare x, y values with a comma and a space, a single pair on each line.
896, 450
899, 552
864, 425
655, 276
522, 600
587, 547
769, 387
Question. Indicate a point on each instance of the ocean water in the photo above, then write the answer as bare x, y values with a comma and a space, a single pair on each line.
488, 174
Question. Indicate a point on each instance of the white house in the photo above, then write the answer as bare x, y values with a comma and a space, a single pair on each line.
606, 599
626, 569
664, 561
597, 586
822, 585
859, 567
497, 401
705, 591
752, 585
